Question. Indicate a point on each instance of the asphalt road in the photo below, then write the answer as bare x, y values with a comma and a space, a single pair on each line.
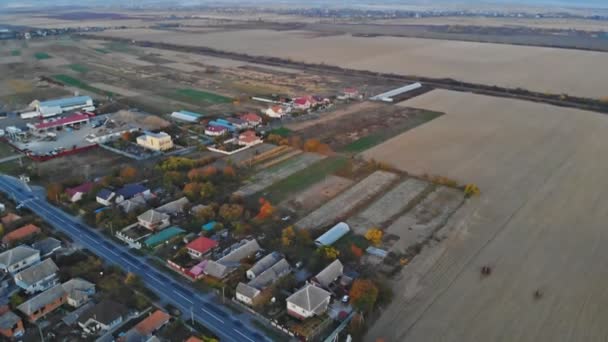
226, 325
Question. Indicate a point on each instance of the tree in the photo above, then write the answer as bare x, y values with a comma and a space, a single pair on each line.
357, 252
16, 300
173, 178
328, 252
287, 236
471, 190
274, 139
374, 235
126, 136
295, 142
53, 191
192, 190
229, 172
231, 212
209, 171
131, 279
266, 210
241, 228
128, 173
363, 294
207, 190
205, 214
311, 145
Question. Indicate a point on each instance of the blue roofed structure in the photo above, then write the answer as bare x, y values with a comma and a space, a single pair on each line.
105, 194
131, 190
67, 102
209, 226
162, 236
188, 116
228, 126
332, 235
58, 106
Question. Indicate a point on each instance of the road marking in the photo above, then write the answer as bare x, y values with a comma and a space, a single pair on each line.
153, 277
245, 336
181, 295
212, 315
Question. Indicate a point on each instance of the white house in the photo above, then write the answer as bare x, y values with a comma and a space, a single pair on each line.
105, 197
104, 316
38, 278
307, 302
275, 111
18, 258
78, 291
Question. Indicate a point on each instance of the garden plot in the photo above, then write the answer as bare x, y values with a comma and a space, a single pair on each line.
274, 174
115, 89
388, 206
349, 200
419, 224
318, 194
184, 67
54, 62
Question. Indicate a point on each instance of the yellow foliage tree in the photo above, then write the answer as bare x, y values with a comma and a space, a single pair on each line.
471, 190
328, 252
287, 236
374, 235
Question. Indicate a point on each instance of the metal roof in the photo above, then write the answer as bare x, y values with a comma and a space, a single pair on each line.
333, 235
16, 255
163, 236
66, 102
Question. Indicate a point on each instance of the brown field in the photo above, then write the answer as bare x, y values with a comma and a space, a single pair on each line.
318, 194
539, 223
354, 108
115, 89
535, 68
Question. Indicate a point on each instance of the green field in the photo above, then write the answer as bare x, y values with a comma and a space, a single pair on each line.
16, 53
73, 82
42, 55
104, 51
305, 178
78, 68
377, 138
202, 96
119, 47
281, 131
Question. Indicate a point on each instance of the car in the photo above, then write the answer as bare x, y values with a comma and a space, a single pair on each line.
345, 299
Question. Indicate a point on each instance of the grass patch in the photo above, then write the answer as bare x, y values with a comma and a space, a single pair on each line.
6, 150
305, 178
203, 96
42, 55
73, 82
281, 131
78, 68
16, 53
101, 50
119, 47
377, 138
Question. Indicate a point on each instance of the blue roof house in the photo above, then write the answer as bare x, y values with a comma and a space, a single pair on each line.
131, 190
209, 226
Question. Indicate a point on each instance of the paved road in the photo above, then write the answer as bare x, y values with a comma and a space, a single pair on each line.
211, 314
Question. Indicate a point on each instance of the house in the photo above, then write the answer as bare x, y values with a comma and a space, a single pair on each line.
43, 303
152, 323
21, 234
39, 277
223, 266
238, 123
332, 235
11, 325
329, 274
264, 264
248, 138
215, 131
131, 190
252, 119
350, 93
2, 207
307, 302
132, 204
78, 291
201, 247
153, 220
10, 218
105, 196
248, 293
162, 236
75, 194
18, 258
303, 102
174, 207
184, 115
194, 339
223, 123
209, 226
58, 106
275, 111
155, 141
47, 246
101, 317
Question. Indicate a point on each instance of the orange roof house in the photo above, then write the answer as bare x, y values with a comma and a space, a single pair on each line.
152, 323
10, 218
21, 233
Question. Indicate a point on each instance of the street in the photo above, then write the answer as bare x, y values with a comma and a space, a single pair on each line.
201, 306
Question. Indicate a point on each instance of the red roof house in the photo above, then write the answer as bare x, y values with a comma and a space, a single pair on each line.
152, 323
20, 233
252, 119
248, 138
75, 194
200, 247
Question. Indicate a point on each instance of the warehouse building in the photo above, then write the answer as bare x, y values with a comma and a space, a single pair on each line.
184, 115
58, 106
332, 235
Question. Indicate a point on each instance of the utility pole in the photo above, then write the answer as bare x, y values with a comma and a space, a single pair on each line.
223, 298
192, 314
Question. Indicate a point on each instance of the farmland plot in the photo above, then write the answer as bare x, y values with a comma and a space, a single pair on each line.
316, 195
387, 206
347, 201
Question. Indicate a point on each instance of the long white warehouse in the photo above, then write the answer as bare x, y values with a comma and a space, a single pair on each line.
388, 96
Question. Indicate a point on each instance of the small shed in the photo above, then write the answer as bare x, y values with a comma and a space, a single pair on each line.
333, 235
209, 226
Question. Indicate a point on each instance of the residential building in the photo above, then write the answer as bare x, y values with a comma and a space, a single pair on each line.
303, 102
131, 190
43, 303
350, 93
223, 266
249, 138
11, 325
248, 293
162, 236
275, 111
174, 207
78, 291
333, 235
18, 258
153, 220
132, 204
105, 196
329, 274
75, 194
152, 323
237, 123
184, 115
252, 119
39, 277
20, 234
47, 246
215, 131
201, 247
101, 317
10, 218
307, 302
223, 123
58, 106
155, 141
264, 264
54, 124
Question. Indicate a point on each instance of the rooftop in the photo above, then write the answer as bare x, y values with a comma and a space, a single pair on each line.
47, 245
202, 245
152, 216
309, 297
152, 323
158, 135
131, 190
41, 300
330, 273
66, 102
265, 263
105, 194
333, 235
16, 255
173, 207
77, 288
21, 233
214, 128
8, 320
163, 235
35, 273
269, 276
192, 114
72, 119
104, 312
82, 188
251, 117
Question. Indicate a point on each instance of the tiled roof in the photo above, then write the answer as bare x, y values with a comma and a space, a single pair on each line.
265, 263
163, 236
77, 288
152, 323
246, 290
104, 312
21, 233
82, 188
66, 102
105, 194
17, 254
309, 297
330, 273
131, 190
74, 118
8, 320
35, 273
269, 276
39, 301
251, 117
152, 216
46, 246
202, 245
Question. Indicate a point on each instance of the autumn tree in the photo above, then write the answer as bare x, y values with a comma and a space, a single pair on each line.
229, 172
128, 173
374, 235
357, 252
295, 142
311, 145
207, 190
471, 190
205, 214
173, 178
209, 171
192, 190
287, 236
126, 136
363, 295
231, 212
328, 252
53, 191
131, 279
266, 210
274, 139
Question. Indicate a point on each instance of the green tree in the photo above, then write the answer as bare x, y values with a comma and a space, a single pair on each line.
16, 300
231, 212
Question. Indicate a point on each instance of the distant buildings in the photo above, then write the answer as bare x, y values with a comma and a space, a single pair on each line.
215, 131
249, 138
184, 115
155, 141
75, 194
276, 111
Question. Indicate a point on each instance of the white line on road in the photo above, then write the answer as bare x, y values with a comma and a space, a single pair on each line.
245, 336
212, 315
181, 295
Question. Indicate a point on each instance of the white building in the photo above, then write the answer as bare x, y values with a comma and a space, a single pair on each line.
58, 106
307, 302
